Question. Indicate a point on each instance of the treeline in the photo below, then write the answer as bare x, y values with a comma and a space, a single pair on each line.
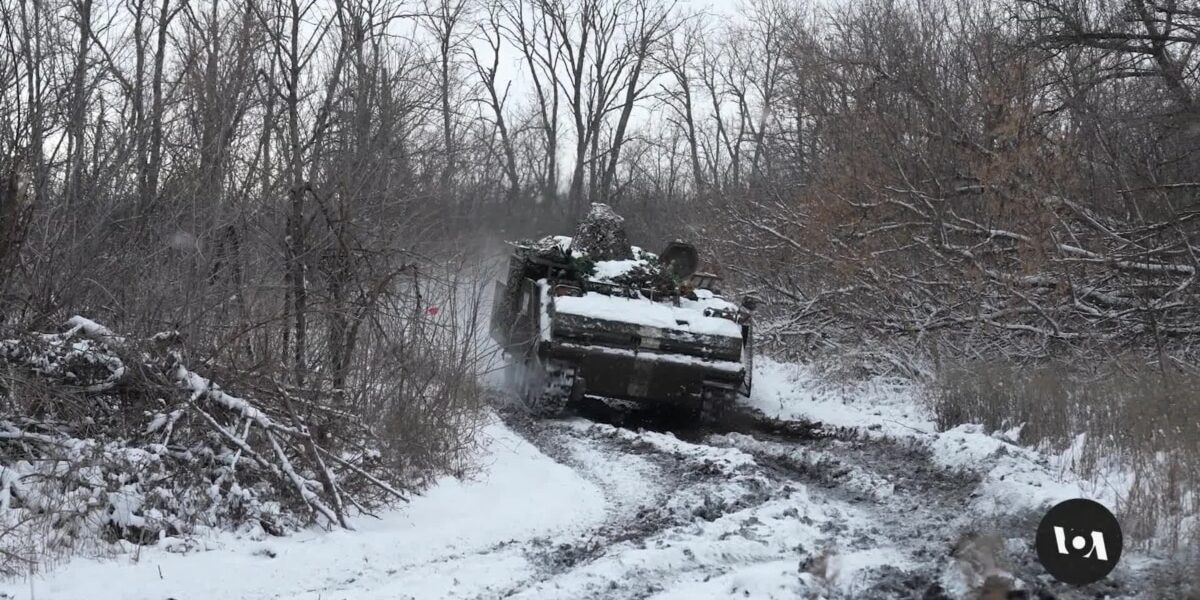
285, 183
266, 183
1015, 177
980, 180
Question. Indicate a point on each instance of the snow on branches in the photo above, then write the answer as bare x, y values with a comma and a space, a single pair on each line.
107, 438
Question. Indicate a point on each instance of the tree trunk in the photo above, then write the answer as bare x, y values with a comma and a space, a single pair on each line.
76, 122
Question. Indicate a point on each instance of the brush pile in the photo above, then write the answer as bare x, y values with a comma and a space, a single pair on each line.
108, 438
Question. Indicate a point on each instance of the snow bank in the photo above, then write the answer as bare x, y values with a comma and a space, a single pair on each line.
461, 539
1017, 478
1013, 478
880, 406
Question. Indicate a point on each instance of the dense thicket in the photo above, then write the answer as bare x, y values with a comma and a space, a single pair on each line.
984, 179
999, 177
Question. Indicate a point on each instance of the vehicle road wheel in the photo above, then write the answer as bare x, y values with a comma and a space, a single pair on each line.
715, 402
548, 388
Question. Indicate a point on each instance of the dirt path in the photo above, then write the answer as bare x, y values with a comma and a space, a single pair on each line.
770, 509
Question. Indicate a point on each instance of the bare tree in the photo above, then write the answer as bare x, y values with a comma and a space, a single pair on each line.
492, 32
679, 61
643, 36
444, 20
532, 31
78, 104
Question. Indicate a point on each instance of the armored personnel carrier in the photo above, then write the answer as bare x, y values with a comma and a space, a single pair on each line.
592, 315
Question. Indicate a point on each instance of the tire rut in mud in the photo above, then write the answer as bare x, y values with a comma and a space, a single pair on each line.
920, 509
811, 454
688, 487
686, 426
914, 503
926, 509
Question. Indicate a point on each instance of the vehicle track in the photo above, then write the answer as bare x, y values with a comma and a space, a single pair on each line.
915, 503
900, 499
687, 487
777, 468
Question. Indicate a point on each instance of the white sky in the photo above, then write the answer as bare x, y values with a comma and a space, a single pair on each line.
512, 69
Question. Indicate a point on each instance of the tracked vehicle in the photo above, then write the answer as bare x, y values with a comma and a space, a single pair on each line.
577, 318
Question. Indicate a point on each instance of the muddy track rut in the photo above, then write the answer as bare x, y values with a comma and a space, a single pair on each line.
874, 495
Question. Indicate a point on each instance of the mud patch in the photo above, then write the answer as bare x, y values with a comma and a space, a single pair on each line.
688, 426
862, 515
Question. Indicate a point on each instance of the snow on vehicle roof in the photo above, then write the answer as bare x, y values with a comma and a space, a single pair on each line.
688, 316
607, 270
564, 242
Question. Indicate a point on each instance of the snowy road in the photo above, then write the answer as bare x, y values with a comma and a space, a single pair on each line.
875, 504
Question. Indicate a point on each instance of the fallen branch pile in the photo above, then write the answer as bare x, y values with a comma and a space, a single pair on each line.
118, 438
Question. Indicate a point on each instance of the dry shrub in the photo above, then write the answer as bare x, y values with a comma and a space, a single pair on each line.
422, 376
1142, 419
110, 440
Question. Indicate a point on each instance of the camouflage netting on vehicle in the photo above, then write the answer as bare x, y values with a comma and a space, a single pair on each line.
549, 248
648, 275
600, 241
601, 235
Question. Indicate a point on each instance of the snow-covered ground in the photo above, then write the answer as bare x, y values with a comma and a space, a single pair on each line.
880, 506
1013, 476
461, 539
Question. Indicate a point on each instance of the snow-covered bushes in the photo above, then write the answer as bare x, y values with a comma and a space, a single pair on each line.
1115, 416
105, 438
